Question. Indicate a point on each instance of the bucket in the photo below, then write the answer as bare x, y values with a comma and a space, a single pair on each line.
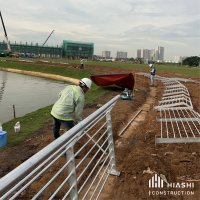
3, 138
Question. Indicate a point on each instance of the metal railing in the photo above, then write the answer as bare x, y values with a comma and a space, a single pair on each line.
179, 122
74, 166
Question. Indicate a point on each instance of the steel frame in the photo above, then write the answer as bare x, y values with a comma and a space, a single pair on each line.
179, 122
175, 91
179, 125
180, 100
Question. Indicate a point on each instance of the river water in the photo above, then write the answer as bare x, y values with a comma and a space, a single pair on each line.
26, 93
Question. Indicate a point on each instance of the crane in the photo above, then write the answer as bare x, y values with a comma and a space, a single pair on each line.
6, 36
48, 38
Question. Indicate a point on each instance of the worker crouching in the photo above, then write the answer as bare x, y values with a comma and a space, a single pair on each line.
68, 109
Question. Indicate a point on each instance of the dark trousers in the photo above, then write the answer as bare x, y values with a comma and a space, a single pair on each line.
57, 124
82, 66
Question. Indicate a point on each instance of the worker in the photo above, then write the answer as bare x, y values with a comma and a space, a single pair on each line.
68, 109
152, 74
82, 64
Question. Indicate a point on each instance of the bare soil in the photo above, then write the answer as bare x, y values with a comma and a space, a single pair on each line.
136, 152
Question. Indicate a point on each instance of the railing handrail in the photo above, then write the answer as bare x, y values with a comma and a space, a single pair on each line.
29, 164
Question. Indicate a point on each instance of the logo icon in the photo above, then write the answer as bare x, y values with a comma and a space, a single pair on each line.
156, 182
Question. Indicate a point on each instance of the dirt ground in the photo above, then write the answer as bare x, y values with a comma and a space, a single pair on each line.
136, 152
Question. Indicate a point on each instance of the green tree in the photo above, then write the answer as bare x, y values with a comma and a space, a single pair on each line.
192, 61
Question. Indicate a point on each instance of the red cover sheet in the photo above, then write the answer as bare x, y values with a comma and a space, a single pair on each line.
125, 80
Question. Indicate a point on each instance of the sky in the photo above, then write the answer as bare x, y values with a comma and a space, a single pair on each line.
112, 25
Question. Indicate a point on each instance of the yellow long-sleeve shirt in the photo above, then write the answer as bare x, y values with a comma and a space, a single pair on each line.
70, 104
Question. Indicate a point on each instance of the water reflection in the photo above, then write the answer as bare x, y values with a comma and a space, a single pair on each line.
27, 93
3, 80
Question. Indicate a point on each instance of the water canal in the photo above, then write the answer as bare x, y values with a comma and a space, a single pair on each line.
26, 93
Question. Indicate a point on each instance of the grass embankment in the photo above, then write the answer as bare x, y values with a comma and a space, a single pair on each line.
36, 120
192, 72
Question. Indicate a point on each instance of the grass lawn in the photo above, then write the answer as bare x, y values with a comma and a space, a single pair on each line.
193, 72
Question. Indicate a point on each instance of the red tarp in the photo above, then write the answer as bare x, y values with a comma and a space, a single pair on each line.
122, 80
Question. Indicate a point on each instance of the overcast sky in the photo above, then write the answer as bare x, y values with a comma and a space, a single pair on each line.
114, 25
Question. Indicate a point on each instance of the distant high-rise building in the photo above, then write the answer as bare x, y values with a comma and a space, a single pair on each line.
152, 54
121, 55
139, 53
106, 54
156, 55
146, 54
161, 53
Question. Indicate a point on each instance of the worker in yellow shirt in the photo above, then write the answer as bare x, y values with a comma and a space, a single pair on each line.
68, 109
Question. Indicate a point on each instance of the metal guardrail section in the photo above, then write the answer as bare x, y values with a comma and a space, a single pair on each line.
175, 95
175, 91
74, 166
179, 125
171, 79
179, 122
175, 101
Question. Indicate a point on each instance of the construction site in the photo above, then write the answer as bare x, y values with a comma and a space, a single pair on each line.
155, 133
135, 142
69, 49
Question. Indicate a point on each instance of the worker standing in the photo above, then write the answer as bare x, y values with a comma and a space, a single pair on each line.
82, 64
68, 109
152, 74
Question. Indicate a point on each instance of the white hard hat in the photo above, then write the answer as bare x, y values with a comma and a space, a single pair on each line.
150, 65
87, 82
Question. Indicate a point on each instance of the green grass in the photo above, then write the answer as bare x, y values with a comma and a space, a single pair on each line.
70, 72
192, 72
29, 124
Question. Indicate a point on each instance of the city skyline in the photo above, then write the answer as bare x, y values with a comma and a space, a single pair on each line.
115, 25
152, 54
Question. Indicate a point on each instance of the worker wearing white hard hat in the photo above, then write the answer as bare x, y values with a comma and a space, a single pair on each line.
150, 65
87, 82
68, 109
152, 74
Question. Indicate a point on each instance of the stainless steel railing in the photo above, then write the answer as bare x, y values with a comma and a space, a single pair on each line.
74, 166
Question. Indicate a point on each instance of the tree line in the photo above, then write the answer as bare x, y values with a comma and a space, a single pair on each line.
192, 61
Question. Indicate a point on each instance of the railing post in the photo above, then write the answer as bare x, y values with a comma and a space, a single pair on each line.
111, 147
71, 168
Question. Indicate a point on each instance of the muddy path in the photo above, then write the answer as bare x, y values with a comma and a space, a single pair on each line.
138, 157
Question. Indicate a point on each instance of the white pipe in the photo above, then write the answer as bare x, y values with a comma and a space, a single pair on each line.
129, 123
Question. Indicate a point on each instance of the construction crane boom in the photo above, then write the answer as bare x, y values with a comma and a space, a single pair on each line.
48, 38
6, 36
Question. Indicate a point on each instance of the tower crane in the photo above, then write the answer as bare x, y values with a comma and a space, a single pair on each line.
6, 36
47, 38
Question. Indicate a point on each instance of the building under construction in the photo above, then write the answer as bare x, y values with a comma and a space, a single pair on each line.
77, 50
30, 50
69, 49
